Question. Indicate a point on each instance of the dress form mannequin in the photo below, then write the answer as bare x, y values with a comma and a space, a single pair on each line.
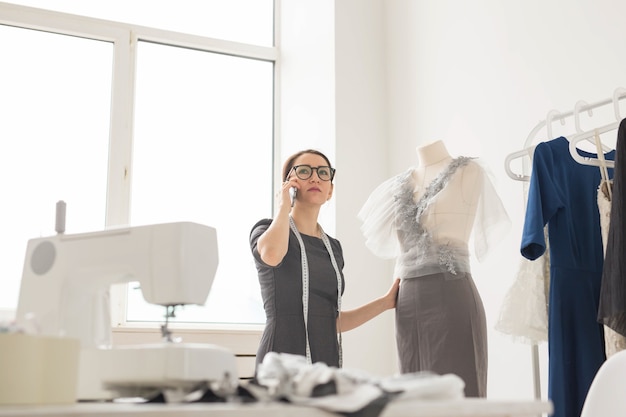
453, 214
432, 159
424, 218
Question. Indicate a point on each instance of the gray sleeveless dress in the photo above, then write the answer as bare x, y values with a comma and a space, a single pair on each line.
281, 290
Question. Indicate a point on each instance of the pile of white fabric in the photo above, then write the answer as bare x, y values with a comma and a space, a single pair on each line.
286, 377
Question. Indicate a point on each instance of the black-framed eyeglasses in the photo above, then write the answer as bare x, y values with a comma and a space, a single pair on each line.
304, 172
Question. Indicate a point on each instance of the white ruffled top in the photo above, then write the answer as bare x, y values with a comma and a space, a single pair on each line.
396, 225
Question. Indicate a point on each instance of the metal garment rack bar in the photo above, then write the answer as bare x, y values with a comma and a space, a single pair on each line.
555, 115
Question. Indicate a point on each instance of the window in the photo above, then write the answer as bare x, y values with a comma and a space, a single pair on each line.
178, 141
245, 21
193, 158
54, 139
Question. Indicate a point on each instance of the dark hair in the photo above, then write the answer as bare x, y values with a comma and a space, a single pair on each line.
289, 163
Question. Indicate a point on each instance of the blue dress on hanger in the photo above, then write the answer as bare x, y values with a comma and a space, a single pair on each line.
563, 195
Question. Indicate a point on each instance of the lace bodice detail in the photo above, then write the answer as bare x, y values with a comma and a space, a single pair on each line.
417, 243
421, 235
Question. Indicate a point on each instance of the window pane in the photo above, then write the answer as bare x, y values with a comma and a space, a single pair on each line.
55, 101
247, 21
203, 153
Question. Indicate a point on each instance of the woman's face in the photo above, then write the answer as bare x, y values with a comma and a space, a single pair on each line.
312, 190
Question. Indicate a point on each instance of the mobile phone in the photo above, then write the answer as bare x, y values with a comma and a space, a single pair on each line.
293, 191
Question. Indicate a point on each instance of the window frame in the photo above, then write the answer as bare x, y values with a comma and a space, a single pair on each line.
125, 38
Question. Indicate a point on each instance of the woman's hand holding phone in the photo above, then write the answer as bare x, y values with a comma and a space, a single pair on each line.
293, 191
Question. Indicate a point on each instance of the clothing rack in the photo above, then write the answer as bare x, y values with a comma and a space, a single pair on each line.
579, 135
527, 152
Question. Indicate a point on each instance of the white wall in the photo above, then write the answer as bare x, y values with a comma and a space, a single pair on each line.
307, 92
479, 75
362, 161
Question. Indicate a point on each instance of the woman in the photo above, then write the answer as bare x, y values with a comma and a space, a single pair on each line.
301, 269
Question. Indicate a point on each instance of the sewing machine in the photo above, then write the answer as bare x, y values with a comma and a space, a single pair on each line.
65, 292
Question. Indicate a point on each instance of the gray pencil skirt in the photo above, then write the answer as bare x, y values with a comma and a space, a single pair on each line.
441, 327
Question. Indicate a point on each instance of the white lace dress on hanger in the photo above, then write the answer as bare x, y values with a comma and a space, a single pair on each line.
524, 309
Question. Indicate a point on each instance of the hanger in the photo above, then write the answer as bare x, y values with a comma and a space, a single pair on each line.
588, 136
604, 172
618, 94
529, 148
518, 154
526, 151
554, 114
578, 107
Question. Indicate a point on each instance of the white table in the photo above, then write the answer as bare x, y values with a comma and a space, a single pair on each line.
468, 407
